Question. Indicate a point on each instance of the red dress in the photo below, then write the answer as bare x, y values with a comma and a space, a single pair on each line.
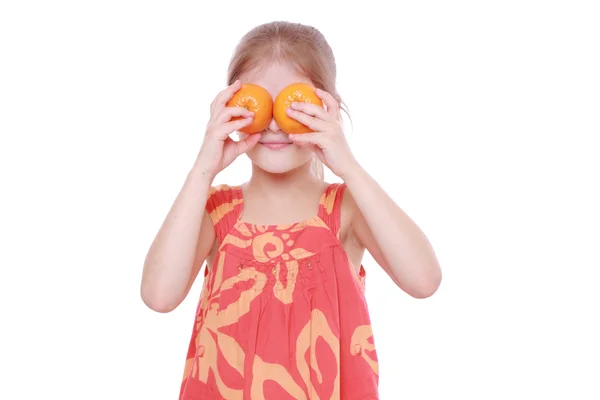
282, 313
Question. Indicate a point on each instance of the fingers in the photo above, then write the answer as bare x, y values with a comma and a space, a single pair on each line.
233, 126
223, 125
333, 108
222, 98
311, 109
306, 145
233, 149
229, 112
308, 120
311, 142
247, 144
306, 138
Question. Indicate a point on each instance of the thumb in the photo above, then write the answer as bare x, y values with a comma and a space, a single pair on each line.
305, 144
308, 138
247, 144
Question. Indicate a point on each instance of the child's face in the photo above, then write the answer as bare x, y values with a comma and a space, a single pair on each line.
269, 156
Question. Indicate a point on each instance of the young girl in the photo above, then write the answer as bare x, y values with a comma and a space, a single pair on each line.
282, 312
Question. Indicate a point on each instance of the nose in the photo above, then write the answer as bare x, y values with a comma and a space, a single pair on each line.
273, 127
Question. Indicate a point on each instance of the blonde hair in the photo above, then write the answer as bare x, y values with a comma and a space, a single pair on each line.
302, 46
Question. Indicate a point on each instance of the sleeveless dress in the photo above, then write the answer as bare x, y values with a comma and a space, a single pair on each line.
282, 313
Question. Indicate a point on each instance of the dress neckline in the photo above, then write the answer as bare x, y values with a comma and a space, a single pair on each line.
302, 223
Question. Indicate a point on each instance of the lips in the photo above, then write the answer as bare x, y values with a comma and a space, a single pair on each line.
275, 145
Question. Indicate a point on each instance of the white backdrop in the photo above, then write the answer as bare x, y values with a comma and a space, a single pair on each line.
479, 118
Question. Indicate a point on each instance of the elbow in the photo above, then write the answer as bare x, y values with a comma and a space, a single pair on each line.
157, 300
423, 284
427, 285
424, 291
157, 290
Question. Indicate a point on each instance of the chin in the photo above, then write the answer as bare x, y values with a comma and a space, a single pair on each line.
279, 162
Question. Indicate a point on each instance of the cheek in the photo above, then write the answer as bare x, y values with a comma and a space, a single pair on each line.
304, 151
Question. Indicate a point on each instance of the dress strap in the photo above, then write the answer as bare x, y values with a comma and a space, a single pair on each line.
224, 205
330, 206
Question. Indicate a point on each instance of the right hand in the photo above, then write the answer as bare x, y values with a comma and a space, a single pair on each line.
218, 150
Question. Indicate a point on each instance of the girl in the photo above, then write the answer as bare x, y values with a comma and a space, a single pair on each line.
282, 313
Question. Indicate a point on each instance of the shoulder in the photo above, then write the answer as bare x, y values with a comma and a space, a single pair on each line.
220, 189
333, 194
222, 199
223, 191
339, 207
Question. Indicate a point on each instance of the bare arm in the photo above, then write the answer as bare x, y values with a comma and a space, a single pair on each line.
377, 223
183, 242
391, 237
187, 235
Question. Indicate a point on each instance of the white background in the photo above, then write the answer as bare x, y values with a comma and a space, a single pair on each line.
478, 117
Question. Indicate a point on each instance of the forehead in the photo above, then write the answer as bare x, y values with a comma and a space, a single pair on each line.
274, 77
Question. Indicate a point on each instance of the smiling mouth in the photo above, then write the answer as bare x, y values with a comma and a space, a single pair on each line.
275, 145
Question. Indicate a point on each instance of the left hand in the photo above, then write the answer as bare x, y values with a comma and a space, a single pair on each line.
327, 139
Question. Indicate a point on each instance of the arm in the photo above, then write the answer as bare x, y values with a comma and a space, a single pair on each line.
183, 242
390, 236
377, 223
187, 235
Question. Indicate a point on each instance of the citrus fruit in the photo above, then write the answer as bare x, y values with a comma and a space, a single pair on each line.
294, 93
256, 99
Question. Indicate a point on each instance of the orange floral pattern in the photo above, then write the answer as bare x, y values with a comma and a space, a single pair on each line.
282, 313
